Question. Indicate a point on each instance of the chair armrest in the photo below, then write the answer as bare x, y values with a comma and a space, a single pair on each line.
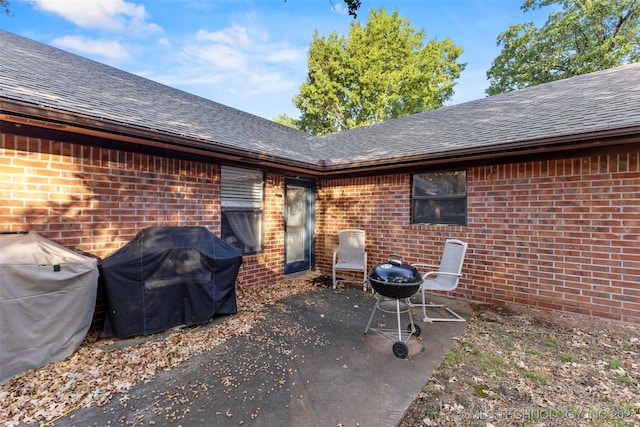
335, 253
419, 264
438, 273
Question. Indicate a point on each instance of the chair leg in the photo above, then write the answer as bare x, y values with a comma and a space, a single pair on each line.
364, 280
425, 318
456, 317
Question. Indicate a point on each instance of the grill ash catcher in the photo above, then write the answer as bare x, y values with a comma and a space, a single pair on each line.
395, 282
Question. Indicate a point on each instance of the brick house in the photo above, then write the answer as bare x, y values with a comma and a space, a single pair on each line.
544, 183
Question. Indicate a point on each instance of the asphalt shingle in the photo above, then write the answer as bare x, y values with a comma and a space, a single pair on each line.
590, 103
35, 73
44, 76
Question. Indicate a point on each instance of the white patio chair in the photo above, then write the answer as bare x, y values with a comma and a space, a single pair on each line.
351, 255
444, 277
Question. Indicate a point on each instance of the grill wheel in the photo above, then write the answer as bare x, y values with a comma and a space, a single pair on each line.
400, 349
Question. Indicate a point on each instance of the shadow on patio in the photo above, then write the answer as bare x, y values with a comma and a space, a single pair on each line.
307, 363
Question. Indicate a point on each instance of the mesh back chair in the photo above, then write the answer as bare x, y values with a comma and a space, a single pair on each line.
444, 277
351, 255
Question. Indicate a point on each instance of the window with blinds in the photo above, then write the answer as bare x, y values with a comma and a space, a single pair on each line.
242, 202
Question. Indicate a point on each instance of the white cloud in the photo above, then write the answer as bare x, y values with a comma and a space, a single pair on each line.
243, 57
164, 42
269, 83
235, 36
112, 15
218, 58
108, 49
287, 55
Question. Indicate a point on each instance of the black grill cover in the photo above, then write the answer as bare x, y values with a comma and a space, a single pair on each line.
167, 277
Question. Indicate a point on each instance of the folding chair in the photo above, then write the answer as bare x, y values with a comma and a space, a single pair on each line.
444, 277
351, 255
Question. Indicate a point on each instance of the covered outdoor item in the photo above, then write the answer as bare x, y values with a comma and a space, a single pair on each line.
47, 299
166, 277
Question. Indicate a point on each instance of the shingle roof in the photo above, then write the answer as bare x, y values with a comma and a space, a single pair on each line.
42, 75
590, 104
586, 104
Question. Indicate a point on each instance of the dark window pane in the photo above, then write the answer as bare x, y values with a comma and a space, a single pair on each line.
439, 211
440, 184
242, 205
439, 198
242, 229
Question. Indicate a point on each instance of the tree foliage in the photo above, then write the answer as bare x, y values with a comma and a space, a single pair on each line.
580, 37
353, 6
4, 7
378, 72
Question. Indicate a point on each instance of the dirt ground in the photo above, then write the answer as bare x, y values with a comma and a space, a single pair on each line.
519, 366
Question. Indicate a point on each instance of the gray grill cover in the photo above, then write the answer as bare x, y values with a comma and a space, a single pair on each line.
166, 277
47, 300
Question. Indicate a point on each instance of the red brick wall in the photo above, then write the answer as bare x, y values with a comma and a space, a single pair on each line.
556, 234
268, 266
95, 199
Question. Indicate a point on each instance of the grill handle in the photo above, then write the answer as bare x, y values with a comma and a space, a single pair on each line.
397, 260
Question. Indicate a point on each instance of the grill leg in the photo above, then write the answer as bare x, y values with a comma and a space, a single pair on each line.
375, 307
399, 323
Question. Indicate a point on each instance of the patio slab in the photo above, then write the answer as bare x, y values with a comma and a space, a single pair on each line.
309, 363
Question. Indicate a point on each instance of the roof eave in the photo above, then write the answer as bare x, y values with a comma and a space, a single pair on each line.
44, 117
495, 152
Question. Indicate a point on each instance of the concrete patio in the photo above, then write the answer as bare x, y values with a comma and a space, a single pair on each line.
309, 363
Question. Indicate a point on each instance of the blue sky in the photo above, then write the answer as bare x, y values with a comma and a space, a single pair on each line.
250, 55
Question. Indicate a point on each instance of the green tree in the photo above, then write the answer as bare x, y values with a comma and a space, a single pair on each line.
380, 71
579, 37
283, 119
353, 6
4, 7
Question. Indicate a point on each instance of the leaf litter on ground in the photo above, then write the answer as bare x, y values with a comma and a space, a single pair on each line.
101, 369
521, 366
511, 366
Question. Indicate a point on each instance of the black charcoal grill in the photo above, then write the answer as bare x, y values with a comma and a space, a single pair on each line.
395, 282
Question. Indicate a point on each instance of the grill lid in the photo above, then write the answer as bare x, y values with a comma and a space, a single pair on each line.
395, 272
